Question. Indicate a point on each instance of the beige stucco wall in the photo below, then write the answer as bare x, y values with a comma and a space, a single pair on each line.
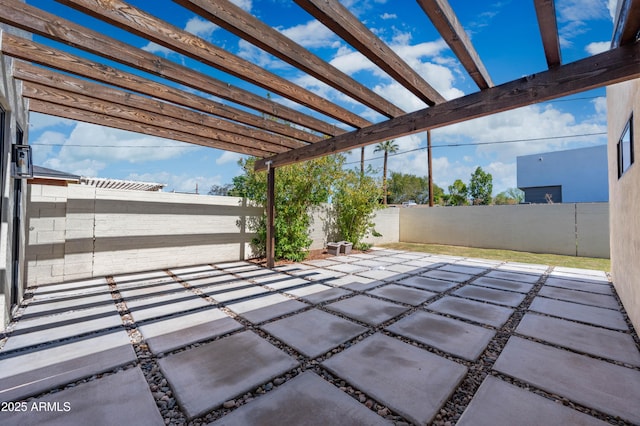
568, 229
81, 231
624, 194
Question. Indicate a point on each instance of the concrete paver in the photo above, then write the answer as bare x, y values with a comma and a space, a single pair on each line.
456, 337
176, 332
234, 290
348, 268
409, 380
483, 313
162, 306
594, 299
286, 283
462, 269
59, 305
579, 285
317, 274
263, 308
195, 271
305, 400
383, 274
79, 287
354, 282
523, 277
367, 309
491, 295
205, 377
497, 403
403, 294
152, 290
501, 284
313, 332
425, 283
31, 373
318, 293
577, 312
111, 400
35, 323
596, 384
401, 268
142, 278
580, 337
455, 277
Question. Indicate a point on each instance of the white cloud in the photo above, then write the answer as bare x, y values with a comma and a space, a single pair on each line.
573, 17
39, 121
386, 16
312, 34
89, 149
597, 47
259, 57
200, 27
178, 183
245, 5
228, 157
156, 49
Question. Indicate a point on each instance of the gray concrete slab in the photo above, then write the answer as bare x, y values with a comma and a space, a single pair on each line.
455, 337
152, 290
483, 313
254, 274
67, 317
122, 398
582, 338
425, 283
176, 332
314, 332
491, 295
577, 312
409, 380
402, 268
596, 384
361, 256
59, 305
30, 373
403, 294
141, 278
343, 259
236, 290
382, 274
528, 277
305, 400
203, 378
85, 285
462, 269
593, 299
318, 293
523, 267
162, 306
355, 282
586, 275
579, 285
348, 268
425, 263
501, 284
286, 282
263, 308
317, 274
195, 271
498, 403
367, 309
455, 277
321, 263
59, 332
372, 263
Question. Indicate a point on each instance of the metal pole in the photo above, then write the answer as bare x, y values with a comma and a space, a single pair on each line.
271, 192
430, 168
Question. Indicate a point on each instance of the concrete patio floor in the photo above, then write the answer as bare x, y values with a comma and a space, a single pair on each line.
387, 337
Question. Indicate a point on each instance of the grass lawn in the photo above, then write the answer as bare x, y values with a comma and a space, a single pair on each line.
506, 255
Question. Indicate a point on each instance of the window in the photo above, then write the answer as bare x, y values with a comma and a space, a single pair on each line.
625, 149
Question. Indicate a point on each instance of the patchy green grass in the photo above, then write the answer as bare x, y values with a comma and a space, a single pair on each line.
506, 255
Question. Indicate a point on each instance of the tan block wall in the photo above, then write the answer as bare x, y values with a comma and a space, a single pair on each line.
624, 194
537, 228
81, 231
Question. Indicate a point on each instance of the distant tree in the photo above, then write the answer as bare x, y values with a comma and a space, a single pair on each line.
517, 194
480, 187
458, 193
510, 196
388, 147
404, 187
221, 189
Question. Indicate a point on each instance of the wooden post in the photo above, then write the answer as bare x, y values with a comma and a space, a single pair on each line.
430, 168
271, 192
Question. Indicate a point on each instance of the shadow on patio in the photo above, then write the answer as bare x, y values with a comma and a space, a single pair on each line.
384, 337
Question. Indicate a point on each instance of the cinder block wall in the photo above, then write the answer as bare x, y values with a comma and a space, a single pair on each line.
81, 231
567, 229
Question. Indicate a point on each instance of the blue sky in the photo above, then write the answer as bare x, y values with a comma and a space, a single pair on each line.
504, 33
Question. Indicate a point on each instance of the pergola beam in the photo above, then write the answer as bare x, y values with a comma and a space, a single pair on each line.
28, 50
136, 21
338, 19
36, 21
244, 25
446, 22
64, 83
76, 114
546, 13
627, 25
137, 115
606, 68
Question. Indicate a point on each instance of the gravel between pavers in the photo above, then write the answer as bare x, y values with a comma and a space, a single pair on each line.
448, 415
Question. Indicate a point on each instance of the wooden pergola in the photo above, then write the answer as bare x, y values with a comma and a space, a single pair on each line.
75, 87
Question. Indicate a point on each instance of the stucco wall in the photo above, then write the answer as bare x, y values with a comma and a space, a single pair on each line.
622, 100
568, 229
81, 231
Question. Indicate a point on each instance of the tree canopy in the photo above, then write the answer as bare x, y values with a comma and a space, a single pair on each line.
481, 187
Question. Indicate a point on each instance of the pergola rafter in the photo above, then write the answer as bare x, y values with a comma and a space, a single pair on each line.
546, 13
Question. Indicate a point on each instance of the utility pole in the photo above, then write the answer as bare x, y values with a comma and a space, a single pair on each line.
430, 168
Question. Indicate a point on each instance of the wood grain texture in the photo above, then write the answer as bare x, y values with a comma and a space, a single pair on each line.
546, 13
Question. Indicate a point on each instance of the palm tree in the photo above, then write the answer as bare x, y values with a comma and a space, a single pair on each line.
388, 147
